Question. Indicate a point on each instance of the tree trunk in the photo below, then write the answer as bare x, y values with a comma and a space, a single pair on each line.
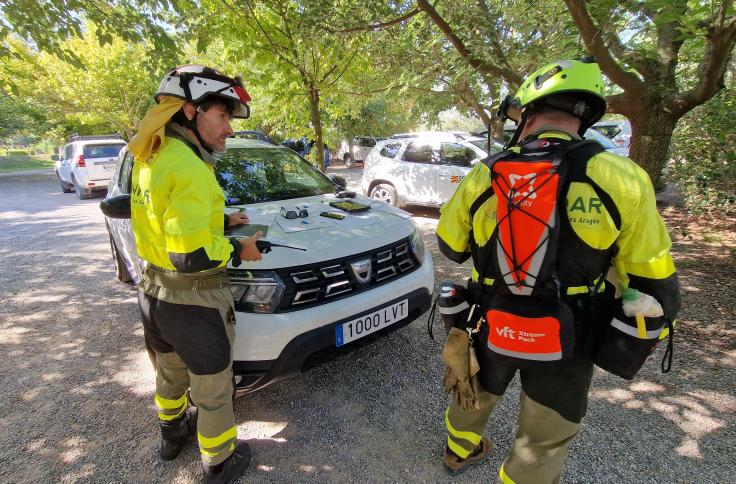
317, 125
496, 128
651, 133
351, 137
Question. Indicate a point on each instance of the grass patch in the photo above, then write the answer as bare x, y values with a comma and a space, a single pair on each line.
13, 163
711, 237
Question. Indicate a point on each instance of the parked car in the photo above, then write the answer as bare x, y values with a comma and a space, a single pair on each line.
365, 274
618, 131
444, 134
362, 145
253, 134
509, 128
421, 170
86, 163
606, 142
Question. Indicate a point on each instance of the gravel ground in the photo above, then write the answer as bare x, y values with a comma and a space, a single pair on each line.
77, 399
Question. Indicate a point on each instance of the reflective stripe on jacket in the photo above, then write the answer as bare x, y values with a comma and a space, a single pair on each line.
177, 210
642, 257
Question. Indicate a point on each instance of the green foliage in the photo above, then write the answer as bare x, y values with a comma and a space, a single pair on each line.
17, 118
49, 24
704, 156
109, 94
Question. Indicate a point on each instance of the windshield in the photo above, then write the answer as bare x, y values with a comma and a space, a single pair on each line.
250, 175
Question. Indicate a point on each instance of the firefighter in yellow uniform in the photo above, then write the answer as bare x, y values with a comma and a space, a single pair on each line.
611, 221
177, 213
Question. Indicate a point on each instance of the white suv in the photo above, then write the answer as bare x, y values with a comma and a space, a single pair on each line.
421, 170
86, 163
363, 273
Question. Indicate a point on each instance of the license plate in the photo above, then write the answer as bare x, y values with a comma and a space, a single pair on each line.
109, 167
371, 322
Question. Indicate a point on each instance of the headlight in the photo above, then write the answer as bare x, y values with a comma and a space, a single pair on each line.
417, 245
257, 291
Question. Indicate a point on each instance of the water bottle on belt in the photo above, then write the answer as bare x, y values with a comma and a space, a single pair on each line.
454, 305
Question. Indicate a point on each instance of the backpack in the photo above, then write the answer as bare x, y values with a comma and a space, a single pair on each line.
527, 318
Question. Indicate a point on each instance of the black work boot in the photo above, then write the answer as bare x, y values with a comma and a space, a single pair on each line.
230, 469
176, 433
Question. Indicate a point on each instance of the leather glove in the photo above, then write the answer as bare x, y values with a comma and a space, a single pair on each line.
462, 369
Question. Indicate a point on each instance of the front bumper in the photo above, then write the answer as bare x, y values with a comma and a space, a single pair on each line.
313, 347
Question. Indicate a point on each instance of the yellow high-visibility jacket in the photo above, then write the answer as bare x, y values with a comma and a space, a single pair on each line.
177, 210
640, 248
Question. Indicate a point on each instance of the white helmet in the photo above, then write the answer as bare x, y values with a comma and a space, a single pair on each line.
195, 83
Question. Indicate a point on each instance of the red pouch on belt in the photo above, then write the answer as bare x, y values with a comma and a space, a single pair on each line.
530, 329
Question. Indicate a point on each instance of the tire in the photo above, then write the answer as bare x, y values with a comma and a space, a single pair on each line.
64, 186
82, 193
121, 272
385, 193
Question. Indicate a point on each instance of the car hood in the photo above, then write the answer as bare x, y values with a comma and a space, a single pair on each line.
323, 238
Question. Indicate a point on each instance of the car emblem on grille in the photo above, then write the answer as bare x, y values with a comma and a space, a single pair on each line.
362, 270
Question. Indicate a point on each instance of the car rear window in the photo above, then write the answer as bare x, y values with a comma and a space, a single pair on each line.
102, 151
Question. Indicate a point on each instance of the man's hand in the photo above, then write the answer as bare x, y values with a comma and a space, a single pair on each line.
250, 251
237, 218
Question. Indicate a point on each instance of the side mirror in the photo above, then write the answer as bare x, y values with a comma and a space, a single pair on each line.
339, 181
116, 207
54, 157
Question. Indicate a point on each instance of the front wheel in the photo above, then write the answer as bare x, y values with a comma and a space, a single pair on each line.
385, 193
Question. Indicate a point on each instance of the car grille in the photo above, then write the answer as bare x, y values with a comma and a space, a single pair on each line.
308, 286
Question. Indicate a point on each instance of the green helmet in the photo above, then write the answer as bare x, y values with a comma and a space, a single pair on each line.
572, 86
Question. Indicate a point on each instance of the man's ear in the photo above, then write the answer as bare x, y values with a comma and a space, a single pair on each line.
189, 110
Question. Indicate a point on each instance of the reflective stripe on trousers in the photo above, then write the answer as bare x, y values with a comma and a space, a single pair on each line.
540, 447
169, 409
465, 427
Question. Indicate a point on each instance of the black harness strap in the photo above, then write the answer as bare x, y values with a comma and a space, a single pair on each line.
575, 166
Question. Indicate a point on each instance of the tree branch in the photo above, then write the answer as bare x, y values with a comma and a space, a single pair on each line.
510, 76
345, 68
376, 25
276, 47
594, 42
721, 40
471, 100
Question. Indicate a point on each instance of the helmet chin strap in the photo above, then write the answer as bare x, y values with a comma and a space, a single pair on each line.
192, 126
519, 128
